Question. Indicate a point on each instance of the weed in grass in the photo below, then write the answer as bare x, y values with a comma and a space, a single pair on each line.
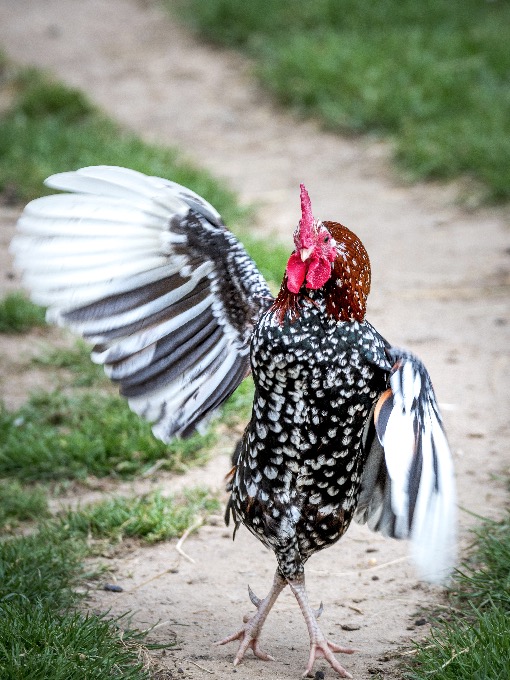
40, 636
152, 517
56, 436
19, 315
75, 359
18, 504
433, 75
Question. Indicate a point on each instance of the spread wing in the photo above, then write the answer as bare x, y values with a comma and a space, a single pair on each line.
145, 270
408, 488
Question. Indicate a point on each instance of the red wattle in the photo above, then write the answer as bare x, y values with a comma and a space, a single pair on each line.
319, 271
296, 272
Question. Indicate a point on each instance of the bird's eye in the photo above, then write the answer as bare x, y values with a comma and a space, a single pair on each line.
326, 238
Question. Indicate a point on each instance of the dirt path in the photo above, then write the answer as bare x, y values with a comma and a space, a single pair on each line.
440, 287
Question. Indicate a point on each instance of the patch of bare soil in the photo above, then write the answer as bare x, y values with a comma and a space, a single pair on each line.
440, 287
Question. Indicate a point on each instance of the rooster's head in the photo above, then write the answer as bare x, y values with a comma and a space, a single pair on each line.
329, 256
315, 250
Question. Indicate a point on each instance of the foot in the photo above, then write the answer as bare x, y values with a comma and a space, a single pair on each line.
319, 645
250, 632
324, 648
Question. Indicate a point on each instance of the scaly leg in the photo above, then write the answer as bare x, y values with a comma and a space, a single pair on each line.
250, 632
319, 645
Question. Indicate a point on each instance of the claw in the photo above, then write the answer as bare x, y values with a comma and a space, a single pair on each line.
319, 645
325, 648
249, 634
254, 599
246, 642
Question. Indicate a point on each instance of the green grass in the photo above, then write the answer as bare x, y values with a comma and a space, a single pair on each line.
41, 633
41, 636
152, 517
50, 127
485, 579
433, 76
42, 568
462, 650
19, 504
76, 360
57, 436
473, 641
19, 315
38, 643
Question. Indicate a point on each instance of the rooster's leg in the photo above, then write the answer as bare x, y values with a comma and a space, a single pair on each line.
319, 645
250, 632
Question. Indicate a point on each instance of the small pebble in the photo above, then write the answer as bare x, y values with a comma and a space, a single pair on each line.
420, 622
113, 588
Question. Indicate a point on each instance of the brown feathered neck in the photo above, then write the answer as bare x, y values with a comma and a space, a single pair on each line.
346, 291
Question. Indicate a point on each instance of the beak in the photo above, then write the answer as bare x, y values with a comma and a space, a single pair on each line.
306, 252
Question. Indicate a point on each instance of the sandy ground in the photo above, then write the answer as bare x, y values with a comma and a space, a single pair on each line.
440, 287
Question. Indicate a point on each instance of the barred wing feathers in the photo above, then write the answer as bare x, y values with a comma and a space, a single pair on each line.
408, 488
145, 270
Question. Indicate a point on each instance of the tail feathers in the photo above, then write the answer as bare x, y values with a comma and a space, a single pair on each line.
408, 489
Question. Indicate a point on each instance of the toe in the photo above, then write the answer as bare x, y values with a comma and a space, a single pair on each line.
260, 654
230, 638
325, 650
342, 650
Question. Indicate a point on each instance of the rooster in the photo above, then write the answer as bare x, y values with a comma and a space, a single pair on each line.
343, 426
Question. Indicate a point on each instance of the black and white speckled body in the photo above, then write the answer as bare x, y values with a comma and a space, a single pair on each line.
301, 461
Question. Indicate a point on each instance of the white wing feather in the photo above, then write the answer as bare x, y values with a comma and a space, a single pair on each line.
139, 266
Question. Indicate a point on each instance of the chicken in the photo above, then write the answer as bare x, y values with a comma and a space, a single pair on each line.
343, 426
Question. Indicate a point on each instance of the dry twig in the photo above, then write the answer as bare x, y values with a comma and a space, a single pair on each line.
198, 522
199, 666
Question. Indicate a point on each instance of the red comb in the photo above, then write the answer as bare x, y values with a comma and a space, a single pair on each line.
306, 221
306, 206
